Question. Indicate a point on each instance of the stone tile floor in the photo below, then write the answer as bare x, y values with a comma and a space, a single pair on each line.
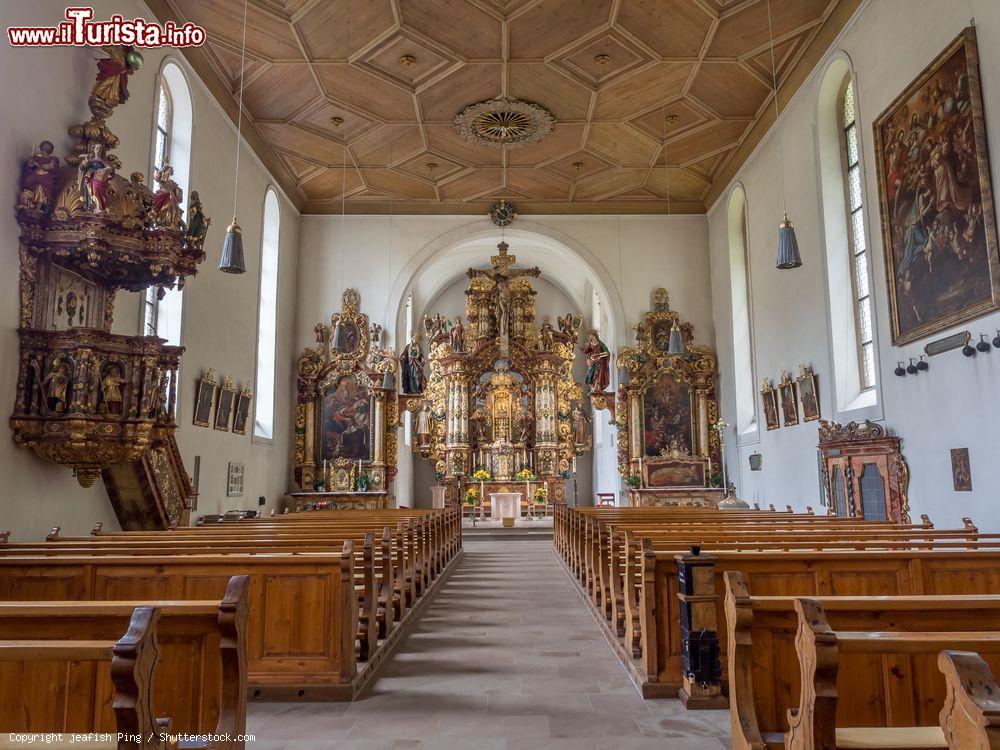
506, 657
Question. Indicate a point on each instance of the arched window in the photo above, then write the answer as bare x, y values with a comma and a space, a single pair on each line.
172, 128
742, 313
853, 335
267, 317
856, 236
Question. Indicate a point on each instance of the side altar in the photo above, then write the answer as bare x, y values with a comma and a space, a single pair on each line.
346, 414
500, 397
667, 453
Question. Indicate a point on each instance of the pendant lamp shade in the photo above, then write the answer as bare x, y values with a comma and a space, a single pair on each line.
788, 246
623, 376
337, 339
388, 383
676, 345
232, 250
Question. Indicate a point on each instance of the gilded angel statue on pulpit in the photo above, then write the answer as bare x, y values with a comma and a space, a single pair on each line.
166, 209
95, 177
113, 72
39, 179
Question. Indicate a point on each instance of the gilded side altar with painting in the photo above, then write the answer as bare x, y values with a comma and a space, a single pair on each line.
667, 454
346, 414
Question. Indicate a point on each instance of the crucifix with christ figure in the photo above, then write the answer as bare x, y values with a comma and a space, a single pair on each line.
501, 274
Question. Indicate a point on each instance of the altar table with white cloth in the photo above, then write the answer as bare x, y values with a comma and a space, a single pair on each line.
505, 505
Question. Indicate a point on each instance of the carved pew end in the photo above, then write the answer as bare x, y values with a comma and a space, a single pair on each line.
925, 521
53, 534
970, 716
4, 536
97, 528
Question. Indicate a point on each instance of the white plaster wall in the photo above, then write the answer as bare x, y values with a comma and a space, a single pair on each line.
43, 92
954, 405
633, 254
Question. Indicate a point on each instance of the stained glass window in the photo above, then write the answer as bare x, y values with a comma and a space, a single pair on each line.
856, 235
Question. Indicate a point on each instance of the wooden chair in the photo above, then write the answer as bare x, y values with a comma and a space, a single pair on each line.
605, 499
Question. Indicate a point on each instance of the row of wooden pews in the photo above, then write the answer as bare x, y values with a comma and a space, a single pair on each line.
655, 578
832, 672
325, 596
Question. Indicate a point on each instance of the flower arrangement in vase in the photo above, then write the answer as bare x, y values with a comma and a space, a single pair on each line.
471, 496
525, 475
541, 496
633, 481
481, 475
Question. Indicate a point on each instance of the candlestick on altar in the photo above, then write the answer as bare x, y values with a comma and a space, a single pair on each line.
720, 427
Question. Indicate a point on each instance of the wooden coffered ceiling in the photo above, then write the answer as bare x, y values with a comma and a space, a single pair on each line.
705, 64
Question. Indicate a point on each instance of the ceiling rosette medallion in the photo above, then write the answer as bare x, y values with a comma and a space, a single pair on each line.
504, 123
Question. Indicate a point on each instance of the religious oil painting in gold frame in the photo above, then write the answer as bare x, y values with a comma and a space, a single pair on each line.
345, 421
667, 416
205, 400
789, 400
769, 405
224, 407
808, 394
936, 198
241, 413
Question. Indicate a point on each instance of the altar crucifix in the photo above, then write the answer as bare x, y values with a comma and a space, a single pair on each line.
502, 274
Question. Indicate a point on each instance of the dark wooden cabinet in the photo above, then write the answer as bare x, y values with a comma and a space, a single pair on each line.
864, 472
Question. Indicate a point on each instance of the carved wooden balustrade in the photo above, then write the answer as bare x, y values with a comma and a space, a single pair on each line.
89, 398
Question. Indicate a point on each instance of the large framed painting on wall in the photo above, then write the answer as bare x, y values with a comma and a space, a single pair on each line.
667, 416
936, 198
345, 421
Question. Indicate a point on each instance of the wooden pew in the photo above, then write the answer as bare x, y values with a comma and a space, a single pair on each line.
815, 724
131, 660
199, 678
764, 672
636, 586
326, 620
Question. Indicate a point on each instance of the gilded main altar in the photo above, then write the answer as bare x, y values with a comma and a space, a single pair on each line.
501, 395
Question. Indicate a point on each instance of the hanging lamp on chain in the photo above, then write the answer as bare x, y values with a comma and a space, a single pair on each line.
788, 247
675, 344
232, 260
337, 338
